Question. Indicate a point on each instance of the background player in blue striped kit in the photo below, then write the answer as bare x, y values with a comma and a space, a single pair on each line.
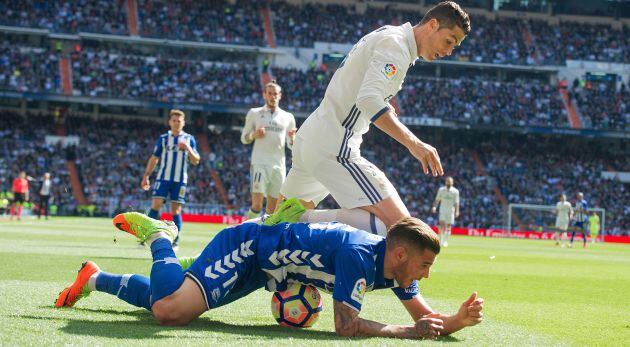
173, 151
239, 260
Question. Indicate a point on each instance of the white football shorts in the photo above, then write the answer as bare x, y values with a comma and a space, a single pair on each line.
353, 182
267, 179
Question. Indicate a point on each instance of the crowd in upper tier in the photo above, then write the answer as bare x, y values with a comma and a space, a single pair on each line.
500, 40
467, 99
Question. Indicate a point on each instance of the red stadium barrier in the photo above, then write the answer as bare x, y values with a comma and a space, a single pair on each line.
532, 235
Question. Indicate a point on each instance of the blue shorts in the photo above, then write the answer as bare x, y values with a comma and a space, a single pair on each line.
580, 225
176, 191
228, 268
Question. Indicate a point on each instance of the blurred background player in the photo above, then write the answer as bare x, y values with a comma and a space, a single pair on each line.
448, 198
44, 196
581, 217
564, 213
593, 226
20, 195
326, 155
270, 129
173, 151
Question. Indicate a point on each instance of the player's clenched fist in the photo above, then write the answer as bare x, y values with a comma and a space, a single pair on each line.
259, 133
144, 184
429, 326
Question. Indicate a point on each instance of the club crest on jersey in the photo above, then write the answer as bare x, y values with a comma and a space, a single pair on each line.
390, 71
358, 292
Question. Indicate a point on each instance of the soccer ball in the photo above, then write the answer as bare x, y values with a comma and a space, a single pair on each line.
298, 306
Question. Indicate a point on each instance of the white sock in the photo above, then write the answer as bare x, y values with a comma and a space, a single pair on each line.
156, 236
251, 214
92, 281
355, 217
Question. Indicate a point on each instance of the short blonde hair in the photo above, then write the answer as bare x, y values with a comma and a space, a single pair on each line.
176, 112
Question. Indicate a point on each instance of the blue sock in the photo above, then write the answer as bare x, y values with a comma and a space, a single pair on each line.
133, 289
166, 273
155, 214
572, 236
177, 219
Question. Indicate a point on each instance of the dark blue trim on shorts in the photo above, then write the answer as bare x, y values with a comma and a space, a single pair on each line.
373, 224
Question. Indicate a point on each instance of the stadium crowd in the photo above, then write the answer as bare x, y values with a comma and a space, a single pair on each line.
99, 16
481, 101
100, 73
499, 40
219, 21
465, 99
590, 98
28, 69
23, 148
109, 169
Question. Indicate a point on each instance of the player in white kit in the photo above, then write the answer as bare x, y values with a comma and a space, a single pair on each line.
448, 198
326, 153
270, 129
564, 213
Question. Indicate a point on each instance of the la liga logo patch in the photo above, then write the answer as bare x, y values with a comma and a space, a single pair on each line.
360, 287
390, 70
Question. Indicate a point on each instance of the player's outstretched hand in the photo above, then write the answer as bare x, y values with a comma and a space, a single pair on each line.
470, 313
430, 326
428, 156
144, 184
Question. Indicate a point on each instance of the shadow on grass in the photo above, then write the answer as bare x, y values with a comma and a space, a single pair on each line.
145, 326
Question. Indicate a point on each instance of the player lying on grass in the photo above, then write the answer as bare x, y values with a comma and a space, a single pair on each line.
239, 260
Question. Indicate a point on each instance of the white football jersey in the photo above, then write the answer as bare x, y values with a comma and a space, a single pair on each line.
564, 210
268, 150
448, 198
360, 90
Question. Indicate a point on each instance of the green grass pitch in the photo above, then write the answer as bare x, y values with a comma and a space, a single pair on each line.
536, 293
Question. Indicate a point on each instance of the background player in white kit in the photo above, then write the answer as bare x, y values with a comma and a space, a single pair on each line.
270, 129
448, 198
564, 213
326, 154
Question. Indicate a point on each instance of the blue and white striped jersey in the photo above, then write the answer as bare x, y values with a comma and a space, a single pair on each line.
334, 257
173, 161
581, 214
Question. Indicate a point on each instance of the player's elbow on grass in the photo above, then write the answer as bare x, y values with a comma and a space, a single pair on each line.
346, 320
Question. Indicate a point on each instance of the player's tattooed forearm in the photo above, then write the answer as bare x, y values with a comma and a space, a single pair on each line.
346, 320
